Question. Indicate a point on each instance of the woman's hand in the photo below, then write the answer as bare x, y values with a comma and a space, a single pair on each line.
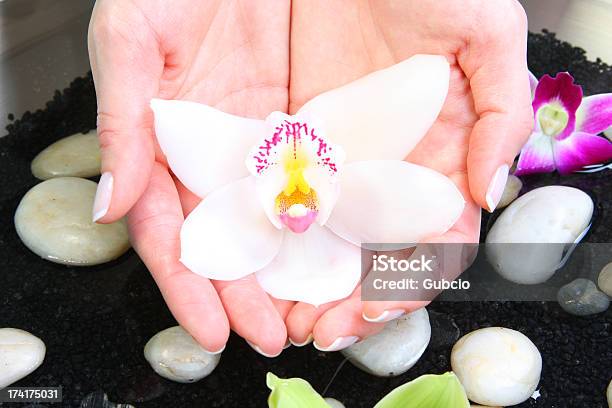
485, 120
233, 55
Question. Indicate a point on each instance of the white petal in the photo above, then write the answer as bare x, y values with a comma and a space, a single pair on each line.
315, 267
268, 187
327, 188
205, 147
386, 113
228, 235
394, 201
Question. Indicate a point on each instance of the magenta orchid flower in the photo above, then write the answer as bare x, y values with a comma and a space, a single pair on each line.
566, 127
290, 199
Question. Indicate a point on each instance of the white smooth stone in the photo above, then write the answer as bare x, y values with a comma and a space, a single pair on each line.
609, 394
604, 281
77, 155
20, 354
497, 366
396, 348
582, 298
334, 403
175, 355
54, 220
546, 215
511, 191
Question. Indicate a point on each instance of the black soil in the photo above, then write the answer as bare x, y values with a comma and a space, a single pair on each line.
95, 321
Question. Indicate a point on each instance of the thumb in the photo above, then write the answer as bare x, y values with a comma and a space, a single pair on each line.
126, 66
496, 66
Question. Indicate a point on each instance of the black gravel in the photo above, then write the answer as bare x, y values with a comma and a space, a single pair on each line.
95, 321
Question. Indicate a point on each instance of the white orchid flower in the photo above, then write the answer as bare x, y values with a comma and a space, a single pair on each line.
315, 186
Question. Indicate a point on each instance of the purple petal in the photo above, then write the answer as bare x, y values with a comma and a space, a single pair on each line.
560, 89
536, 156
594, 114
579, 150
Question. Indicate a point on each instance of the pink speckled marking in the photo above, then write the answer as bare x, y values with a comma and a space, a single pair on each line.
293, 134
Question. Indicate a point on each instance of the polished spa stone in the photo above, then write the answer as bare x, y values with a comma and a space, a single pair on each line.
395, 349
604, 281
334, 403
20, 354
511, 191
582, 298
77, 155
54, 220
497, 366
526, 243
175, 355
609, 394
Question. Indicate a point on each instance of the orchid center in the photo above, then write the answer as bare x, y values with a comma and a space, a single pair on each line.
301, 165
553, 119
297, 205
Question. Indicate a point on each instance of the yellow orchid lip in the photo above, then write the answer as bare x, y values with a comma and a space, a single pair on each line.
295, 148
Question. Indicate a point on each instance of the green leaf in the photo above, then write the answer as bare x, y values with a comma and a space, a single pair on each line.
427, 391
292, 393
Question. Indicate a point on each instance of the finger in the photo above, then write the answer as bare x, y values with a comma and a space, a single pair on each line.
283, 307
301, 320
126, 65
343, 326
457, 257
253, 315
155, 222
495, 63
189, 201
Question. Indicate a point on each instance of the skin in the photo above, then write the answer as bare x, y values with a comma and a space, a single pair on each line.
249, 59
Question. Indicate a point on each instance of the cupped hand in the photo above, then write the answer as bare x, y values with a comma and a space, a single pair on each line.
485, 120
233, 55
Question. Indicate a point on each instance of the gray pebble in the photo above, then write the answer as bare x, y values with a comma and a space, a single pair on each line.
99, 399
582, 298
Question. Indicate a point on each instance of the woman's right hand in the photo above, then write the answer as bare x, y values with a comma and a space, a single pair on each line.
230, 55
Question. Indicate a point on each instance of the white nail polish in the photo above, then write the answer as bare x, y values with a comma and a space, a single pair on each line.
385, 316
496, 187
307, 341
260, 351
338, 344
216, 352
103, 196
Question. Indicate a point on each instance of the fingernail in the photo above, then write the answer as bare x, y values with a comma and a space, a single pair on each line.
103, 196
216, 352
338, 344
260, 351
496, 187
307, 341
385, 316
287, 344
